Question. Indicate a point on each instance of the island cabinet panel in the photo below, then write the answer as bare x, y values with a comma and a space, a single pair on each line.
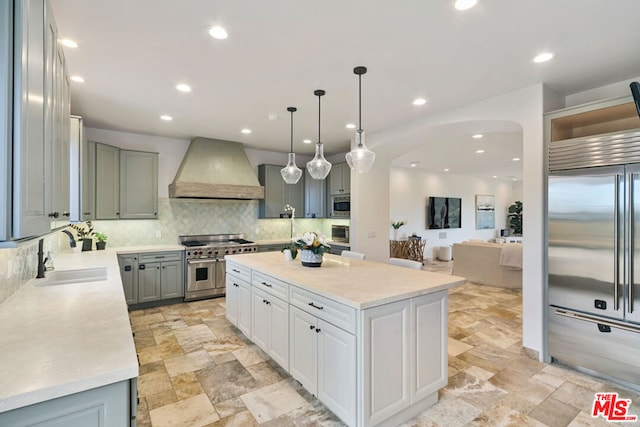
386, 361
270, 325
238, 301
333, 312
429, 348
303, 357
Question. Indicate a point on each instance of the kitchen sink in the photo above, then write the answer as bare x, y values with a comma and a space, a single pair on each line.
65, 277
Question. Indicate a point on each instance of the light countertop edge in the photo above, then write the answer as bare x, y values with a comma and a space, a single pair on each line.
66, 339
355, 283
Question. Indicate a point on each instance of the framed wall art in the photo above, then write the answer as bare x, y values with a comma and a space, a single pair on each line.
485, 212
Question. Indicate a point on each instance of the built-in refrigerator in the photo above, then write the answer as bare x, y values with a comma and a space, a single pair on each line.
594, 255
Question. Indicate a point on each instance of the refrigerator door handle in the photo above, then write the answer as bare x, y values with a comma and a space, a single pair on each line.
630, 236
597, 320
616, 243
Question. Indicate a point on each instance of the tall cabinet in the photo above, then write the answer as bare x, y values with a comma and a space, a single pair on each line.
278, 193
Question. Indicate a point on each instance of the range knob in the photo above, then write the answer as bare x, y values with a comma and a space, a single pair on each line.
209, 252
188, 253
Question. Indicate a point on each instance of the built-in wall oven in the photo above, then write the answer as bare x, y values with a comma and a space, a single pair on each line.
340, 233
205, 264
341, 206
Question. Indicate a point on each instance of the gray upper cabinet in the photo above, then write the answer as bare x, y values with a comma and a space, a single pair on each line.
126, 183
31, 150
277, 193
83, 172
315, 197
107, 182
6, 89
339, 179
138, 185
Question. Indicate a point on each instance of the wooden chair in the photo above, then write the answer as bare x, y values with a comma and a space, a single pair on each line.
406, 263
351, 254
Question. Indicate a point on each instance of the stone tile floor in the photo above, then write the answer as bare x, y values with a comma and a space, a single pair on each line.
198, 370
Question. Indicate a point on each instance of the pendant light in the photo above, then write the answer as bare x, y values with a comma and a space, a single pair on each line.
291, 173
360, 159
319, 167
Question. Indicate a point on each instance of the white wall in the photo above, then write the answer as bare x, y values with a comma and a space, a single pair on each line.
409, 190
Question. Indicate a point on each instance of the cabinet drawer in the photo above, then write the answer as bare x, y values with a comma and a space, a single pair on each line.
271, 285
239, 271
333, 312
160, 256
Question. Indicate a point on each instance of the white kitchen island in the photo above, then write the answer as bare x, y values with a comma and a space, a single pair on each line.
368, 339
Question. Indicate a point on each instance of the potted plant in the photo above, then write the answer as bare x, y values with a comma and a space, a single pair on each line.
84, 231
101, 240
290, 252
515, 217
396, 226
312, 246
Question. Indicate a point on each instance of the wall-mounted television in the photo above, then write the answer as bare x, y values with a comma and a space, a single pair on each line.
635, 91
444, 212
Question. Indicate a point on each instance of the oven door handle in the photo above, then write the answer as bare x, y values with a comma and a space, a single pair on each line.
201, 261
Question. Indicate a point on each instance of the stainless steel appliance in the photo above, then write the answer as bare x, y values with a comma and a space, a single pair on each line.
341, 206
340, 233
205, 265
594, 243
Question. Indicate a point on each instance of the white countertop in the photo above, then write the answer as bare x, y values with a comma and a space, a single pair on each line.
62, 339
358, 284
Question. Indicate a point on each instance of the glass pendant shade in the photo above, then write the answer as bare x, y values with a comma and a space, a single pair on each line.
360, 158
291, 173
319, 167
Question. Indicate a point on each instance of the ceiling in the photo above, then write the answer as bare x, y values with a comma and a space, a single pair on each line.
132, 54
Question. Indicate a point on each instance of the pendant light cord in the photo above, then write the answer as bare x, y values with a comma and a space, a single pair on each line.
319, 118
360, 104
291, 132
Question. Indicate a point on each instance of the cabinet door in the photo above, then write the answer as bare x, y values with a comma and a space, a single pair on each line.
279, 332
303, 349
386, 361
346, 179
107, 182
31, 150
149, 282
244, 308
274, 197
294, 195
429, 318
6, 90
260, 319
171, 280
337, 371
138, 185
231, 299
315, 197
129, 275
88, 180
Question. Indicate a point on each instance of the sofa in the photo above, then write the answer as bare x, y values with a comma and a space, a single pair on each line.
493, 264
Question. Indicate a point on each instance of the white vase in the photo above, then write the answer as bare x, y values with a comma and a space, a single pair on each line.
395, 234
309, 259
287, 255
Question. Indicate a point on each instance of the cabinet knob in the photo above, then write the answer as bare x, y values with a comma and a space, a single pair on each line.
312, 327
317, 330
67, 214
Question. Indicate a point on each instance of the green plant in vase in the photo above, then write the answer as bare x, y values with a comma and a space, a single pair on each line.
515, 217
396, 226
101, 240
84, 231
312, 246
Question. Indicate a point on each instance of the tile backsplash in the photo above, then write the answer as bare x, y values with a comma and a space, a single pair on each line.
183, 217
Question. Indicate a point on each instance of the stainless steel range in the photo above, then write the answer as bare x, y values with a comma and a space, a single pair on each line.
205, 265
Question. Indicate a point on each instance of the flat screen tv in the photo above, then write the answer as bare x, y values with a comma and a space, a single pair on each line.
444, 212
635, 91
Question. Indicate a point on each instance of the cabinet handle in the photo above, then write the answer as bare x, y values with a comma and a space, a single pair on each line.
159, 256
127, 268
312, 327
236, 285
266, 284
319, 307
317, 330
66, 214
87, 213
142, 267
235, 270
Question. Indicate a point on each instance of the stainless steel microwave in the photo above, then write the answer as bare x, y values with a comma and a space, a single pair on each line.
340, 233
341, 206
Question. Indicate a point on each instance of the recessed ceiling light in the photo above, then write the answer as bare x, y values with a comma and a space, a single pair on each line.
218, 32
78, 79
69, 43
306, 141
465, 4
350, 126
246, 131
166, 118
414, 164
446, 170
477, 136
495, 176
419, 101
479, 151
516, 159
514, 179
542, 57
183, 87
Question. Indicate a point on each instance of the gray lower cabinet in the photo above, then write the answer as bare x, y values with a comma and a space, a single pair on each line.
337, 249
113, 405
277, 193
152, 276
272, 247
